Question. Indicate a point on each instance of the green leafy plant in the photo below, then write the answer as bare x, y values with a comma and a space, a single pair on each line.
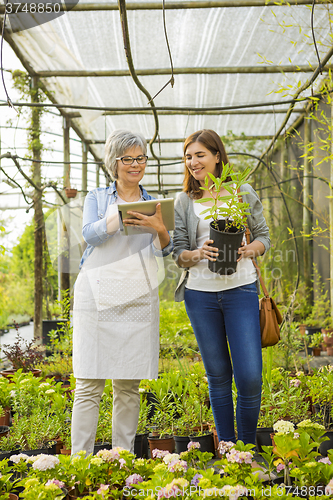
235, 210
316, 339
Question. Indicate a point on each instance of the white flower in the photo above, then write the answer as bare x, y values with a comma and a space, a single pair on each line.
50, 391
233, 492
45, 462
283, 427
170, 457
17, 458
44, 384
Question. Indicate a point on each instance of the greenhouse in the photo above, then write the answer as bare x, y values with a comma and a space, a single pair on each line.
178, 411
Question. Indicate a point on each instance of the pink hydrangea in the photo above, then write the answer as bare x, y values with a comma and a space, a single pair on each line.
103, 488
225, 446
58, 483
325, 460
134, 479
280, 467
240, 457
177, 466
159, 453
193, 445
110, 455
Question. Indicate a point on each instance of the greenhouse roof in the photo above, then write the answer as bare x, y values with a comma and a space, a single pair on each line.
237, 64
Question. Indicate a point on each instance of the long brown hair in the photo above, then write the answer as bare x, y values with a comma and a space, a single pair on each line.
212, 141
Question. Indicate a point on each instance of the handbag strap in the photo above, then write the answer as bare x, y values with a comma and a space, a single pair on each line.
248, 241
263, 286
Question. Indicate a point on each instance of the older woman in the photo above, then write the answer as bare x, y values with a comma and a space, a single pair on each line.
116, 313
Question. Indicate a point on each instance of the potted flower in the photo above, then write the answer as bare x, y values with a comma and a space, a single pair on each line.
22, 355
229, 219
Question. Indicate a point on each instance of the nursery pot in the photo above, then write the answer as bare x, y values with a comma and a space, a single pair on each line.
6, 417
206, 442
4, 430
263, 438
141, 445
181, 443
101, 446
228, 245
167, 443
326, 445
316, 351
329, 350
12, 496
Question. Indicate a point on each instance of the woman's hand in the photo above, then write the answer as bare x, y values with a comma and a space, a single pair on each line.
153, 222
189, 258
208, 252
251, 250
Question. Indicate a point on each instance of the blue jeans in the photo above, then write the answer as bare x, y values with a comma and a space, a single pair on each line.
231, 315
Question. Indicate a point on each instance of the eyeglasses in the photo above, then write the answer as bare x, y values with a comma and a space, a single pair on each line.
128, 160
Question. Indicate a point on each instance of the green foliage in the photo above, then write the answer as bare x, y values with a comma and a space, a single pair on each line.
17, 279
236, 210
176, 333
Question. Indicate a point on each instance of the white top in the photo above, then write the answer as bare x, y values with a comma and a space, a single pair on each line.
202, 279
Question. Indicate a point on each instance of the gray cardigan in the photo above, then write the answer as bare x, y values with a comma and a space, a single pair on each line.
186, 224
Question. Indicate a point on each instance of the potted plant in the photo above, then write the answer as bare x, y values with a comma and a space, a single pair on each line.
22, 355
315, 343
227, 232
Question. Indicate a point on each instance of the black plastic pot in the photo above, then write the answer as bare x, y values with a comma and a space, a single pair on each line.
228, 245
48, 325
326, 445
206, 442
263, 438
141, 445
181, 443
101, 446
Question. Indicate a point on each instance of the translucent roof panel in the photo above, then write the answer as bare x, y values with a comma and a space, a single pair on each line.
227, 57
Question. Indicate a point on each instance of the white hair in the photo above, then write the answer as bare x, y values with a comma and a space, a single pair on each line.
117, 143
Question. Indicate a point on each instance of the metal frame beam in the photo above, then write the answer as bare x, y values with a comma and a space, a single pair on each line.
89, 6
223, 70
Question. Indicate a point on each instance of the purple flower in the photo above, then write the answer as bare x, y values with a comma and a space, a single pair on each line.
134, 479
295, 382
195, 479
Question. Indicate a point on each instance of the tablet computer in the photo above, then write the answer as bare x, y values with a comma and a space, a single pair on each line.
146, 208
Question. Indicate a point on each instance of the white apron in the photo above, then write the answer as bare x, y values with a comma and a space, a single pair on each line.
116, 310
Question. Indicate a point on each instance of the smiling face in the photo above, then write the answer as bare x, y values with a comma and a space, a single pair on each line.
131, 174
200, 161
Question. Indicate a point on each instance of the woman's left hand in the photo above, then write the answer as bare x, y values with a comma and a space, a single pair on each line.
251, 250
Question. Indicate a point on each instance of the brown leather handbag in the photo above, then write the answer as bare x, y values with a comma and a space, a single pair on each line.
269, 315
